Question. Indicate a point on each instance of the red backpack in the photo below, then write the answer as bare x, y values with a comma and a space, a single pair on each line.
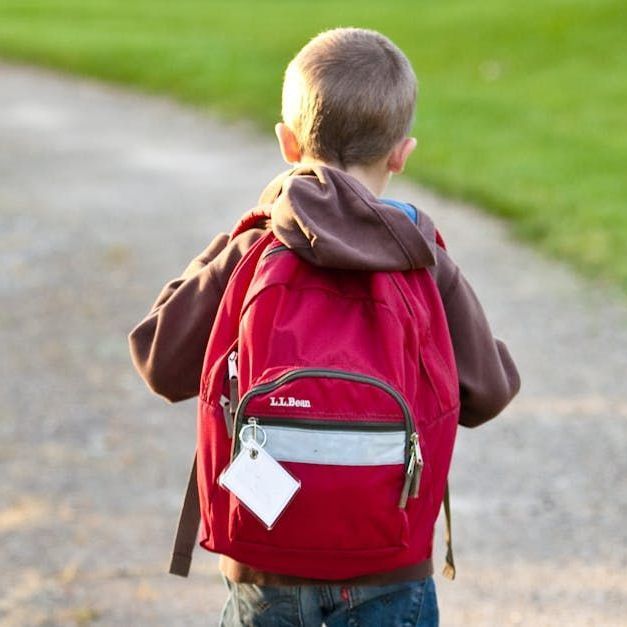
352, 378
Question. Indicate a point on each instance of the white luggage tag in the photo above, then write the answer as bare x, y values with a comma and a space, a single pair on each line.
259, 482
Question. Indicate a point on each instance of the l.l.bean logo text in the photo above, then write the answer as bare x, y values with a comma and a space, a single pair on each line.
290, 401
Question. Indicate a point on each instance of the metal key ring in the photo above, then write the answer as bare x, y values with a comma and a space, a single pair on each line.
255, 429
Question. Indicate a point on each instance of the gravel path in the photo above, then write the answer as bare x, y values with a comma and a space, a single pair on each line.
104, 196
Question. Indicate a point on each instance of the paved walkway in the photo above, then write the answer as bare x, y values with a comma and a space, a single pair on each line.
104, 196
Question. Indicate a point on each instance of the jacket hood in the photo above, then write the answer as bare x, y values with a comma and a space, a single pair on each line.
332, 220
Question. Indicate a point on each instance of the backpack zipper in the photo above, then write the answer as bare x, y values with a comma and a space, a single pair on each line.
327, 425
233, 401
275, 249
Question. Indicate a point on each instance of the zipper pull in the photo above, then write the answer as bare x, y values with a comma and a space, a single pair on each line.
232, 363
411, 485
228, 418
414, 487
402, 503
233, 385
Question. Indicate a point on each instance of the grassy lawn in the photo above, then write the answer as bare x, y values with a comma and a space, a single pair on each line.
523, 106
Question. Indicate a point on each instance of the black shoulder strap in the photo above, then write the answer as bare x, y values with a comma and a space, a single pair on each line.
449, 567
187, 530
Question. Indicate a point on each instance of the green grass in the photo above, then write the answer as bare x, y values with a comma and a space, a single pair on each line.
523, 106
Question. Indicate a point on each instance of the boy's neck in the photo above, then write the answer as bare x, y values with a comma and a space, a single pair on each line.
375, 177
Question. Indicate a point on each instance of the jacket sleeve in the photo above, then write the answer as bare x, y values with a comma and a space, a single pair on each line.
168, 346
488, 378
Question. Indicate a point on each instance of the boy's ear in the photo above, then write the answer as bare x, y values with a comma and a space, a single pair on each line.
288, 143
400, 153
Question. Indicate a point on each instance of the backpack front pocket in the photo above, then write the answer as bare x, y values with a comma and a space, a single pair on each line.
351, 470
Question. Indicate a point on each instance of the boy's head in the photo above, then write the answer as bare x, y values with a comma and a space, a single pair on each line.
348, 100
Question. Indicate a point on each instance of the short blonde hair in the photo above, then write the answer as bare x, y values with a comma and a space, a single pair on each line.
349, 96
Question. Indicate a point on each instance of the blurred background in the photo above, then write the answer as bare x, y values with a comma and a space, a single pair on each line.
132, 131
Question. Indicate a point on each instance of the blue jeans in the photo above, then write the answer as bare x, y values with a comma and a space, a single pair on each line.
408, 604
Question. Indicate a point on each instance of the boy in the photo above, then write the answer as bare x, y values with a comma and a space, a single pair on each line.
348, 105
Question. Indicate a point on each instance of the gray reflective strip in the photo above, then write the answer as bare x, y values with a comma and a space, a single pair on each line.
343, 448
